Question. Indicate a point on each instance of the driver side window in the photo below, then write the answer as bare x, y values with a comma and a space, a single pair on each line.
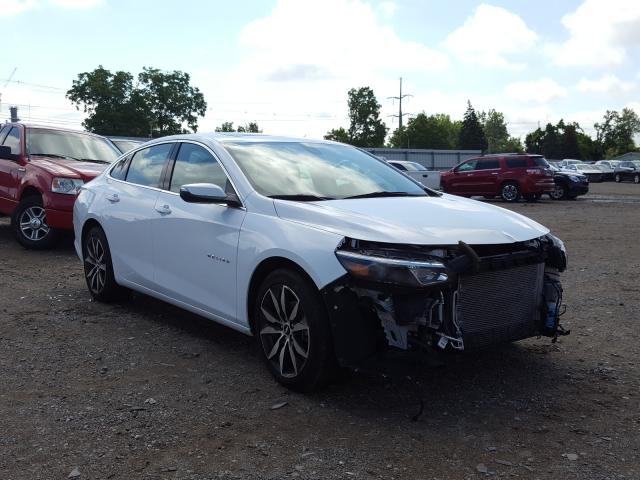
468, 166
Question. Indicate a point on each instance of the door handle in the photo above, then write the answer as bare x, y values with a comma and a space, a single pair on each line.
163, 209
494, 173
113, 198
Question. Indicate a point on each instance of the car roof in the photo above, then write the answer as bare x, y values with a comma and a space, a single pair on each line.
51, 127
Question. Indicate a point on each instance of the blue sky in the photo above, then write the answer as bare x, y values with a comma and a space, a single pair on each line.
289, 63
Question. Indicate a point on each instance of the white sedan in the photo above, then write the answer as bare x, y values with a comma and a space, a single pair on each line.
325, 253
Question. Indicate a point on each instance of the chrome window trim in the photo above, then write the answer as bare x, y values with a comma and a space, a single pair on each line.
133, 152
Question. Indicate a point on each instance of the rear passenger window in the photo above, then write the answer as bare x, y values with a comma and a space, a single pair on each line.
194, 164
399, 166
119, 171
146, 165
516, 162
13, 141
487, 164
540, 162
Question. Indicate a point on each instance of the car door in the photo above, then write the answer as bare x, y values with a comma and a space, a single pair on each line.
486, 177
10, 137
195, 245
463, 178
128, 209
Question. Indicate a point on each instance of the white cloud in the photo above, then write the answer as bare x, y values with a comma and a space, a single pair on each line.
333, 36
608, 83
9, 8
600, 33
490, 36
535, 91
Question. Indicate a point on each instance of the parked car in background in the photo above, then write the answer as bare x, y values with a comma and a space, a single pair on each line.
569, 185
612, 164
509, 176
592, 173
41, 171
569, 161
627, 170
607, 171
125, 144
323, 252
428, 178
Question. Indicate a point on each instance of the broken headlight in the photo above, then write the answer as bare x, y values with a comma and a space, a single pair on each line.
393, 271
557, 253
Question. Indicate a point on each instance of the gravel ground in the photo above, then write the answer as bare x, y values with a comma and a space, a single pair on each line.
144, 390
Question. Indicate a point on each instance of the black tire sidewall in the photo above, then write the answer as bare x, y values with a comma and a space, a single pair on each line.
320, 364
111, 291
46, 242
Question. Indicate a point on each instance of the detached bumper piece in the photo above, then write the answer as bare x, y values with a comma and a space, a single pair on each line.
488, 295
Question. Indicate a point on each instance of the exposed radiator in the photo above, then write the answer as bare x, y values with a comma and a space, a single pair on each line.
500, 306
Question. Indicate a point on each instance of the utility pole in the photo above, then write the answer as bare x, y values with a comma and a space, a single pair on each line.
399, 98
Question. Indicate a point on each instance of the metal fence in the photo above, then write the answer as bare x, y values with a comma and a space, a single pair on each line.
430, 159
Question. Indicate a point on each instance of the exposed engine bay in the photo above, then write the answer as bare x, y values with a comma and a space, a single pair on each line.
460, 298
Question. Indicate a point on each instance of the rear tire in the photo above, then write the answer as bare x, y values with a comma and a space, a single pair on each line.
29, 222
636, 178
510, 192
98, 268
293, 332
558, 193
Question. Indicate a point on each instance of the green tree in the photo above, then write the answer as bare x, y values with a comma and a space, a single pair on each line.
427, 131
158, 103
569, 142
551, 146
251, 127
338, 135
472, 135
366, 129
112, 104
172, 100
495, 130
226, 127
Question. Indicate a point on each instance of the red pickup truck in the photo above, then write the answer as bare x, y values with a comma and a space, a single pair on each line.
41, 172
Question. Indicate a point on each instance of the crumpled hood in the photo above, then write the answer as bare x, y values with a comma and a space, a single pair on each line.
442, 220
69, 168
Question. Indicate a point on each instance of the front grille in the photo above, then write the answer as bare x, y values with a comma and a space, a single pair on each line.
500, 306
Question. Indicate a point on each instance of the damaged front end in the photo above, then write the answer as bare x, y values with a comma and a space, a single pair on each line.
459, 297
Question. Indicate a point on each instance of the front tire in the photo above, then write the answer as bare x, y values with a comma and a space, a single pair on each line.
98, 268
636, 178
292, 330
510, 192
617, 178
30, 226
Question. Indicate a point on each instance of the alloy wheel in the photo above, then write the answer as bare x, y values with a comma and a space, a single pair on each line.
33, 223
284, 330
510, 192
95, 266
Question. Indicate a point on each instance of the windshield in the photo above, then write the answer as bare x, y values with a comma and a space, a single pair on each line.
314, 171
584, 167
76, 146
541, 162
126, 145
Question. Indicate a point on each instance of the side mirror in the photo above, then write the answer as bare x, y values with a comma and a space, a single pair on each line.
5, 154
207, 193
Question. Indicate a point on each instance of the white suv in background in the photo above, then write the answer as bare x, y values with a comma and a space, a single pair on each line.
322, 251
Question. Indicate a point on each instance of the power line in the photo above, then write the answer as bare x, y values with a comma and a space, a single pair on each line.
20, 82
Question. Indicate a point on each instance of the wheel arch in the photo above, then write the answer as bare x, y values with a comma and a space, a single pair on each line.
88, 224
30, 191
262, 270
